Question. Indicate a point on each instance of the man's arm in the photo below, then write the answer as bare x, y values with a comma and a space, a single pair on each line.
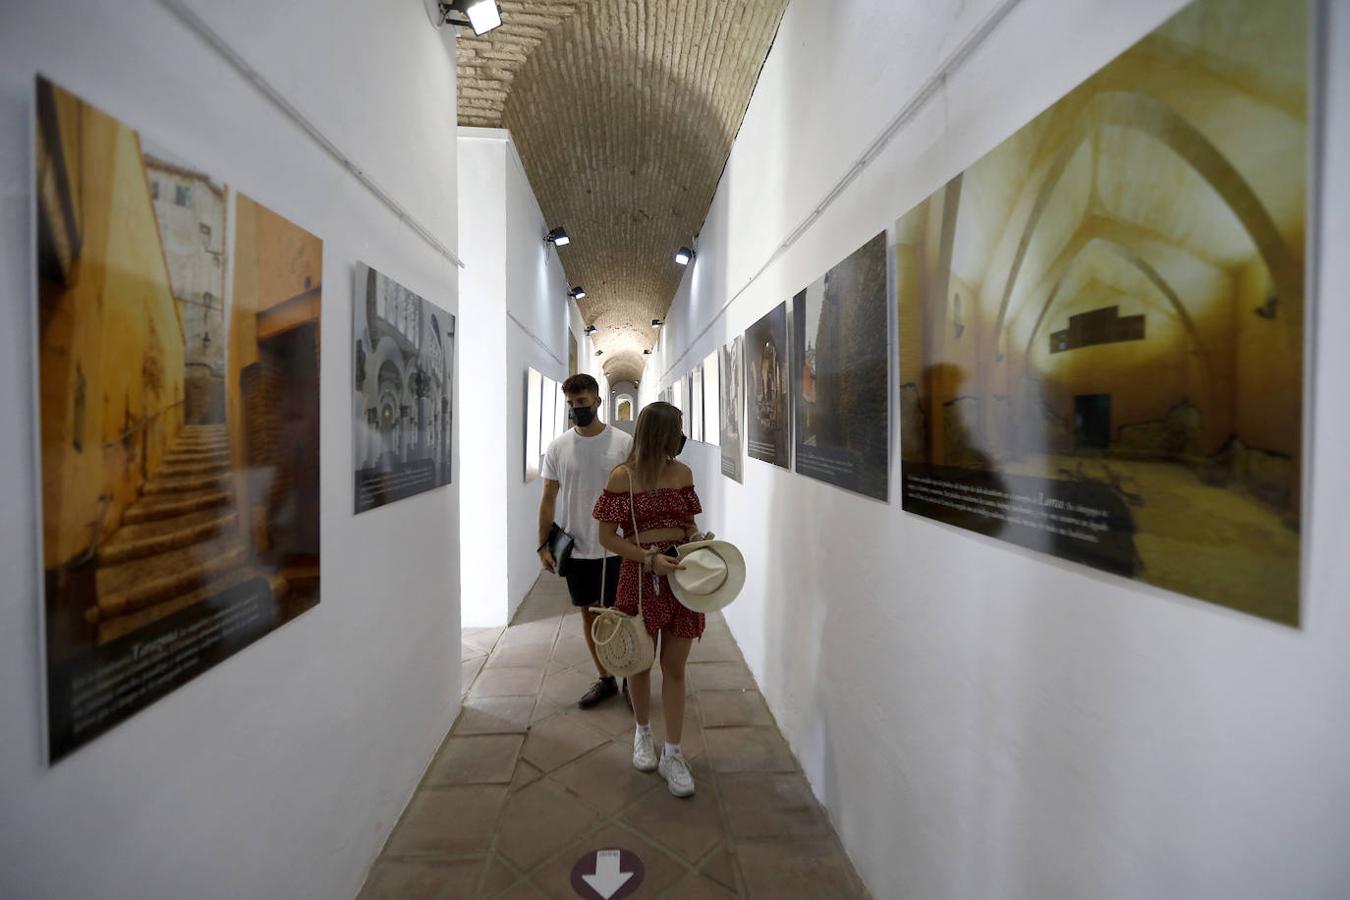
547, 507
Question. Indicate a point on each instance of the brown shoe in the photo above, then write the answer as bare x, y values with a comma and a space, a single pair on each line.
604, 688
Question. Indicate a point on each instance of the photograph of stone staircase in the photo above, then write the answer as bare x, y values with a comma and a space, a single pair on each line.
179, 543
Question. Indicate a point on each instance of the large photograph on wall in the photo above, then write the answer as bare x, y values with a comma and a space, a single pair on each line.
1102, 320
731, 359
767, 415
534, 403
403, 365
840, 374
179, 420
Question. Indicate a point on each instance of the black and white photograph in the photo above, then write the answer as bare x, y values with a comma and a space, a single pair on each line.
403, 384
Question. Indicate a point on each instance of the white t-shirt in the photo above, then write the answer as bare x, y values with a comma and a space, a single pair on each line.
581, 466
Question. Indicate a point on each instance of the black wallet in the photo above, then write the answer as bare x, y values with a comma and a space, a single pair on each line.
560, 545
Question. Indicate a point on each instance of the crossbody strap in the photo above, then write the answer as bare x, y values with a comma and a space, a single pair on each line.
632, 511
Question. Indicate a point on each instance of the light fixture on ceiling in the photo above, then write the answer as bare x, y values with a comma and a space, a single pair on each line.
480, 15
590, 329
646, 352
558, 237
657, 323
599, 353
577, 293
684, 256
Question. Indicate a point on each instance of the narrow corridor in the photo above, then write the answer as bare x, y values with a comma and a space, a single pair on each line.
527, 785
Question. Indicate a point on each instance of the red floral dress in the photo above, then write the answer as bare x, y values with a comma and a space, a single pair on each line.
661, 508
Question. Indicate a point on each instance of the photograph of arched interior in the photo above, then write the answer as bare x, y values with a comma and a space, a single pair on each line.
404, 364
1102, 320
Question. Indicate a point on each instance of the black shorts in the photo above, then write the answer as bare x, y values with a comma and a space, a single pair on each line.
583, 580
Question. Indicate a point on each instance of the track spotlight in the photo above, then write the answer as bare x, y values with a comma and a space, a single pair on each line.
480, 15
577, 293
657, 323
558, 237
599, 353
646, 353
590, 329
684, 256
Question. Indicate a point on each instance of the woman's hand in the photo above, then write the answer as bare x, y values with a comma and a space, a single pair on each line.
664, 565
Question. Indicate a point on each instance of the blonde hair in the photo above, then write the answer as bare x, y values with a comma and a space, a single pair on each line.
656, 440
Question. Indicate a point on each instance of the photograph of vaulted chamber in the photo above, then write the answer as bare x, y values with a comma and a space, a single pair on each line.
1102, 320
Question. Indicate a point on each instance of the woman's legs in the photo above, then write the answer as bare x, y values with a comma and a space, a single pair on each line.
674, 655
640, 693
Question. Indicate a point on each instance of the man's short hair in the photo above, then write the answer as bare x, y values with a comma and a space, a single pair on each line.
579, 384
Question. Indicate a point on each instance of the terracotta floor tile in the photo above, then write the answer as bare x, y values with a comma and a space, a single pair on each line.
804, 869
760, 804
540, 820
507, 682
422, 880
455, 821
494, 715
475, 759
560, 740
525, 775
720, 866
519, 656
606, 778
722, 708
542, 632
481, 638
748, 750
696, 887
565, 688
690, 826
469, 651
660, 869
573, 653
522, 890
497, 877
721, 676
468, 671
715, 650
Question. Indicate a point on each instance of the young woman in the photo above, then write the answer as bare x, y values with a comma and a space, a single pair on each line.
663, 494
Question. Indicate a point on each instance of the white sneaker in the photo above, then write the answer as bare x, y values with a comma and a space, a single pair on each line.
676, 772
644, 752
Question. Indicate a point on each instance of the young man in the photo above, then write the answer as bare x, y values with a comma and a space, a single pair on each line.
576, 467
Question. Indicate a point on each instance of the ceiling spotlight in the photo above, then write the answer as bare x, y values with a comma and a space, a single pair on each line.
684, 256
657, 323
599, 353
480, 15
577, 293
558, 237
590, 329
646, 353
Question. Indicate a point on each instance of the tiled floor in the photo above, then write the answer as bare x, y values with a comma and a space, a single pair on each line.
527, 784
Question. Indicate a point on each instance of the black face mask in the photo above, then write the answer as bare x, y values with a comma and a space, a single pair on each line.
582, 415
680, 449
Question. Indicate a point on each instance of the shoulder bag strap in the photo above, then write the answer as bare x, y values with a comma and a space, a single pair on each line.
637, 536
632, 510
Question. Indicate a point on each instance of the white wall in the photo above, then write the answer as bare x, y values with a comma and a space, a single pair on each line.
523, 306
280, 772
983, 721
487, 409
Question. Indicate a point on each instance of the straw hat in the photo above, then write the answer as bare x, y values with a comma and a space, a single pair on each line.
713, 574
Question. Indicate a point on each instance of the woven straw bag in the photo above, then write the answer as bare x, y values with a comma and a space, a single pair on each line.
622, 643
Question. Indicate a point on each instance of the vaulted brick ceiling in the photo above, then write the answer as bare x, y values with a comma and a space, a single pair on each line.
624, 112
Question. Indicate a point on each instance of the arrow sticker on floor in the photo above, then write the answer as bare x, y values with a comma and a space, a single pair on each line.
607, 874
